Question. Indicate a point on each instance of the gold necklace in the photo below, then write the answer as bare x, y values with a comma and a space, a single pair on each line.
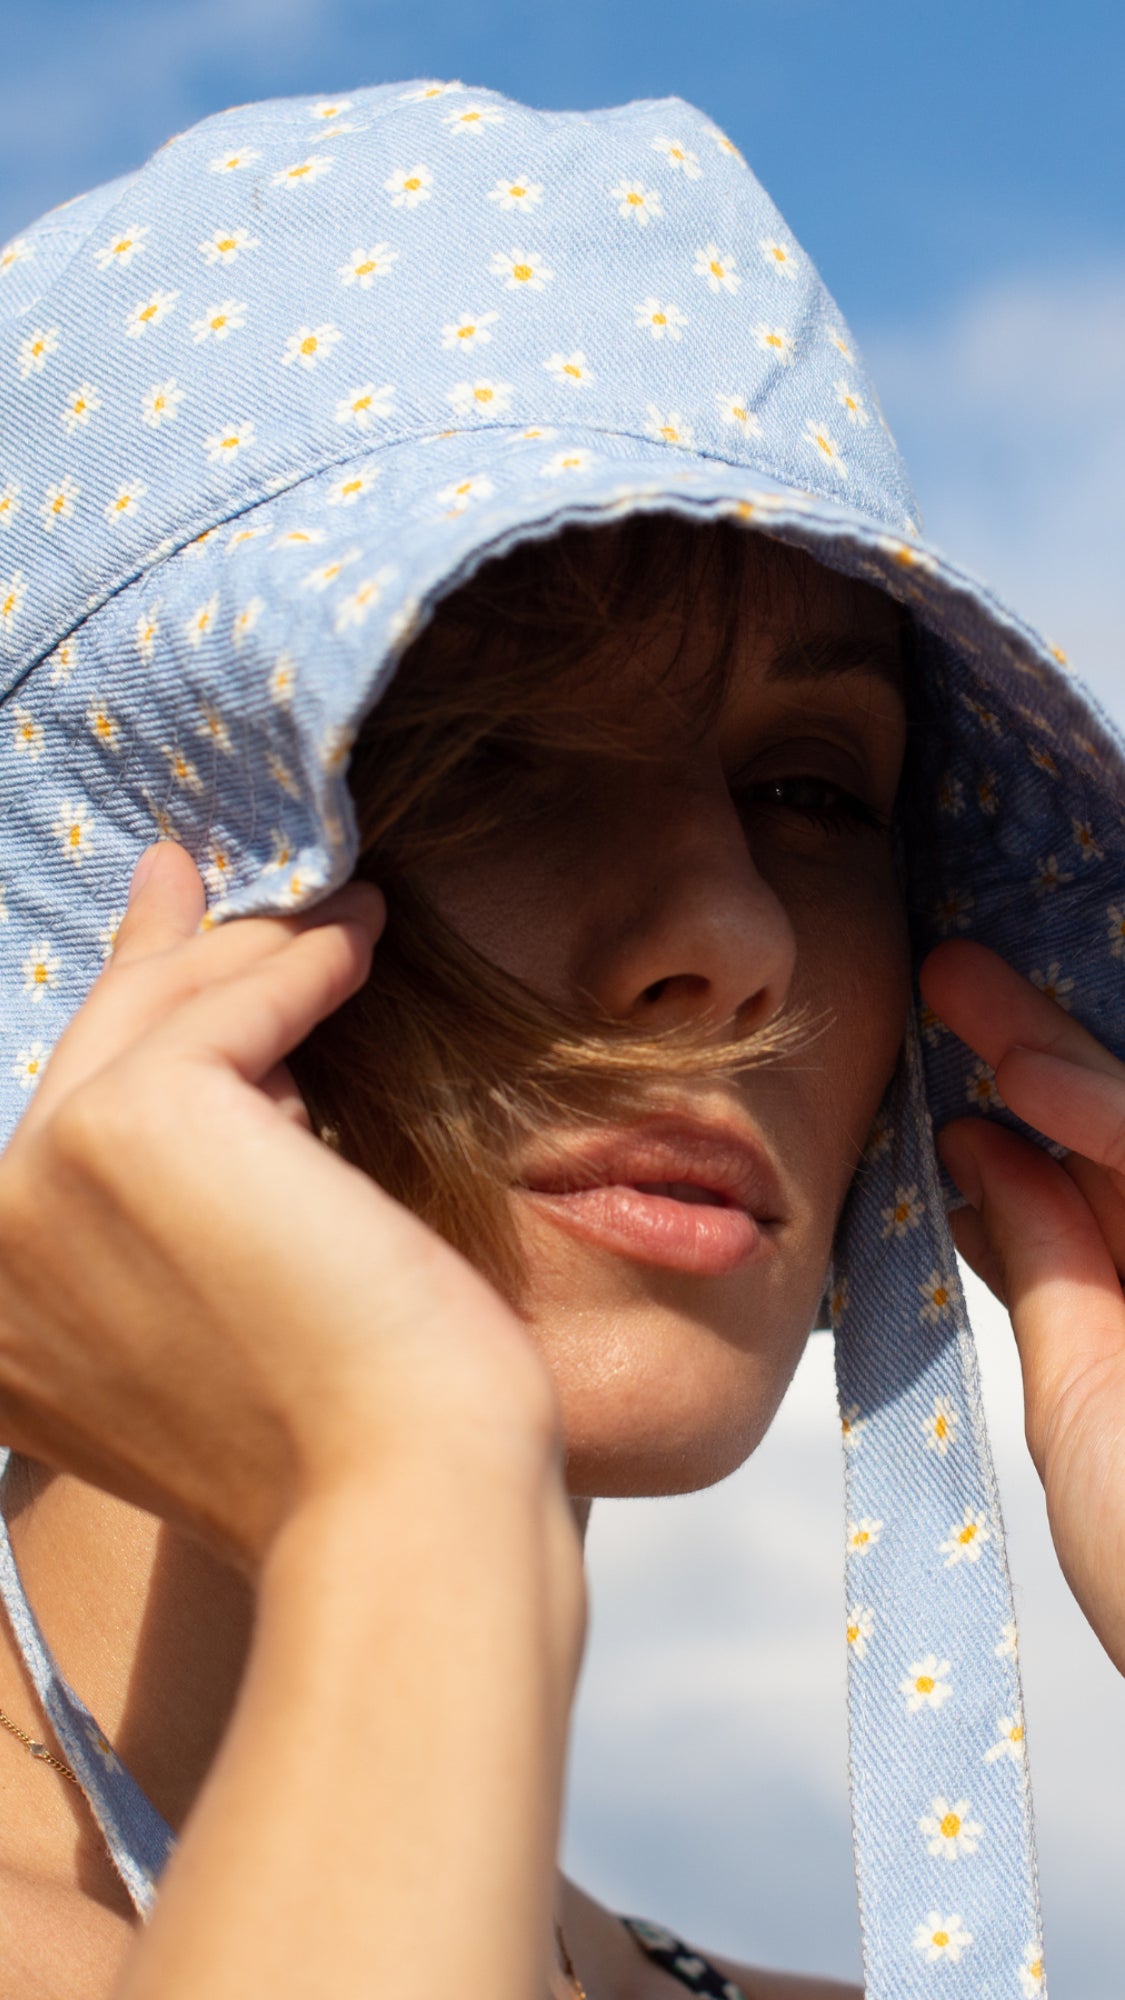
568, 1964
41, 1752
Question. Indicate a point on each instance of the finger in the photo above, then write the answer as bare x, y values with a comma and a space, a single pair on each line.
281, 1089
1058, 1278
970, 1240
1083, 1109
166, 902
993, 1008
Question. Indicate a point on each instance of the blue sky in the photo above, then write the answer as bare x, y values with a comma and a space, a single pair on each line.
958, 172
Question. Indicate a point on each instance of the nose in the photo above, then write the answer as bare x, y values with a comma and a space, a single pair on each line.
689, 928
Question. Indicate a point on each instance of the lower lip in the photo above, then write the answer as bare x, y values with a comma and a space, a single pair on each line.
657, 1229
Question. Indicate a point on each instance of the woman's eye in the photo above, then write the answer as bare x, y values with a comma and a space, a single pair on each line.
819, 801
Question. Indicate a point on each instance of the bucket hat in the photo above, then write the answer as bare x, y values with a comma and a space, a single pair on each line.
263, 404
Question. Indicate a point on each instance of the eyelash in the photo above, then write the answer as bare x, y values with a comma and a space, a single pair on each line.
844, 813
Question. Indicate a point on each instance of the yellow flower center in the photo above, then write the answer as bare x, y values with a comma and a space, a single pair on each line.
853, 1634
349, 487
122, 503
716, 269
219, 320
968, 1533
79, 405
58, 503
296, 172
412, 184
902, 1211
229, 443
517, 190
570, 463
1015, 1733
941, 1939
226, 243
74, 835
465, 332
362, 403
570, 369
775, 340
950, 1826
1036, 1968
779, 255
309, 344
851, 403
824, 444
483, 394
7, 608
150, 311
40, 974
158, 403
634, 199
470, 118
660, 319
103, 725
521, 272
466, 486
924, 1684
738, 413
365, 269
862, 1535
37, 347
941, 1427
675, 152
670, 432
33, 1066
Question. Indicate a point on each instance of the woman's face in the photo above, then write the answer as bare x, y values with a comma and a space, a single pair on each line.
739, 873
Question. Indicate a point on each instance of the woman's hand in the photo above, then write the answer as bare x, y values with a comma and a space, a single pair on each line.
202, 1308
1049, 1238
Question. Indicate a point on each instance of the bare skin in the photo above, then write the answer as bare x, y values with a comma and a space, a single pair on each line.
293, 1494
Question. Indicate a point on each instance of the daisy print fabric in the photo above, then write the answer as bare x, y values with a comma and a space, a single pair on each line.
263, 404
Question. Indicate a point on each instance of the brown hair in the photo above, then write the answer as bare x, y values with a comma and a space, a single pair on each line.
425, 1078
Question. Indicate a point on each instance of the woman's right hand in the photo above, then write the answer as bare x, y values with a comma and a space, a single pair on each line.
202, 1308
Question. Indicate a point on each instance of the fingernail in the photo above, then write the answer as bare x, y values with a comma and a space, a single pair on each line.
142, 871
956, 1156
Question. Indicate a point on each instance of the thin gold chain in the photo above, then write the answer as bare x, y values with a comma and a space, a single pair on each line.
568, 1964
41, 1752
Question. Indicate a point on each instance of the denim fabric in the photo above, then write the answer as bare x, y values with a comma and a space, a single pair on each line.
269, 399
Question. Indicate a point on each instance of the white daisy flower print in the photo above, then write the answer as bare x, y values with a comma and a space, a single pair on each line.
232, 162
224, 245
201, 621
680, 157
1033, 1972
126, 245
79, 408
35, 350
9, 503
58, 503
1050, 875
942, 1938
304, 173
903, 1214
948, 1830
282, 776
824, 444
663, 320
212, 726
953, 911
364, 266
668, 427
462, 493
354, 609
219, 322
63, 661
1042, 759
244, 621
330, 108
408, 186
222, 447
940, 1428
863, 1535
735, 410
125, 501
534, 434
480, 399
1010, 1740
27, 735
951, 795
298, 538
965, 1540
362, 407
427, 90
838, 1299
102, 725
778, 256
562, 462
841, 343
852, 1426
520, 270
728, 147
1085, 841
325, 574
518, 193
718, 267
1008, 1645
13, 594
216, 868
1053, 984
283, 680
853, 405
474, 118
40, 970
144, 634
160, 404
19, 251
335, 747
980, 1088
860, 1630
988, 793
572, 370
926, 1684
310, 345
29, 1065
72, 831
986, 717
774, 341
471, 330
107, 936
182, 770
643, 205
351, 486
148, 313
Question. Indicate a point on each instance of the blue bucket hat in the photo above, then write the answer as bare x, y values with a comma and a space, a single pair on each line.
264, 404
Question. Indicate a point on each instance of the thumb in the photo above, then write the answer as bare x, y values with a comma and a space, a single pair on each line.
166, 903
1059, 1281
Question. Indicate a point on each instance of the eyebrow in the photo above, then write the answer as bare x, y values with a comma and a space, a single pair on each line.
830, 656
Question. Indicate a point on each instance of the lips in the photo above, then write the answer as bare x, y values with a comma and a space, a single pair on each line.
686, 1196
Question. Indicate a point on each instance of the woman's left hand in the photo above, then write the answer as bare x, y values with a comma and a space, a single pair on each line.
1048, 1237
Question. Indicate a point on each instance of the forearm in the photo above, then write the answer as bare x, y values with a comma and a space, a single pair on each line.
383, 1815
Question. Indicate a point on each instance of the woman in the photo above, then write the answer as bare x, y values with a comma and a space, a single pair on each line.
655, 884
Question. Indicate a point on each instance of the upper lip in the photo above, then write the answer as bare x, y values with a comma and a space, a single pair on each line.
711, 1154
